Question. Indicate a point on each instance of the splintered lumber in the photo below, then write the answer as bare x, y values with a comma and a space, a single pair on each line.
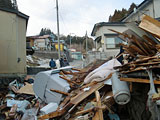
155, 97
139, 80
90, 110
158, 47
125, 35
84, 94
73, 102
89, 84
68, 80
149, 40
136, 49
84, 111
67, 72
65, 101
58, 91
51, 115
76, 69
150, 25
127, 50
99, 113
61, 73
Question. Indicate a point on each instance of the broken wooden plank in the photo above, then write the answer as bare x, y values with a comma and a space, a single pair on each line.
61, 73
99, 104
149, 40
88, 85
155, 97
139, 80
84, 111
73, 102
27, 89
137, 49
129, 52
76, 69
58, 91
150, 25
84, 94
51, 115
68, 80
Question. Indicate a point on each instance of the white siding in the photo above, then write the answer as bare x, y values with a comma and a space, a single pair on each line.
148, 10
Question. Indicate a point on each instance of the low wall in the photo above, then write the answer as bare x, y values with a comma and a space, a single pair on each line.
35, 70
46, 54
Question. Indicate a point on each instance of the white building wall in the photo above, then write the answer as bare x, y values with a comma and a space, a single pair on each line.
148, 10
157, 8
105, 30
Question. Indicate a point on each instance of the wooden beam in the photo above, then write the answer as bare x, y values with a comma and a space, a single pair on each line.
84, 94
58, 91
68, 80
61, 73
153, 43
139, 80
76, 69
84, 111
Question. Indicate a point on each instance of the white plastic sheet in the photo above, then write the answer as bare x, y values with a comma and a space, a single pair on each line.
102, 72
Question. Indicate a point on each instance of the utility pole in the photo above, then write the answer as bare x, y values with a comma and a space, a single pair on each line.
70, 41
59, 49
86, 42
154, 16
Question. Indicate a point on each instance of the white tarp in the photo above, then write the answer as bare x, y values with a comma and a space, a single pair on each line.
102, 72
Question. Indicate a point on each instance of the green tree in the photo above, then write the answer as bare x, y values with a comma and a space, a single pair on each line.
133, 5
8, 4
45, 31
119, 14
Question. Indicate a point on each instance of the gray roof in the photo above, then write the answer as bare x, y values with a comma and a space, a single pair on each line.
18, 13
98, 25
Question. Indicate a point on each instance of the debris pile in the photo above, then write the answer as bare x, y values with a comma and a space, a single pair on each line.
17, 99
35, 61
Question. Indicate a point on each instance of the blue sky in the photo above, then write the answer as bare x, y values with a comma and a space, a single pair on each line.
76, 16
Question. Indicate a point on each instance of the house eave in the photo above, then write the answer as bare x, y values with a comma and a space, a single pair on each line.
139, 7
101, 24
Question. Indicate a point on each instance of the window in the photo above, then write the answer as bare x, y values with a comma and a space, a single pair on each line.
113, 42
110, 42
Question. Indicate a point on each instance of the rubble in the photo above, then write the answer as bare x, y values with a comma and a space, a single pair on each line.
35, 61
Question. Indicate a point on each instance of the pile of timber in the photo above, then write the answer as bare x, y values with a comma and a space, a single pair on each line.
141, 51
84, 101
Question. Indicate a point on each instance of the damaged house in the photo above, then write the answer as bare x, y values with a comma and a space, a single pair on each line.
12, 43
106, 40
